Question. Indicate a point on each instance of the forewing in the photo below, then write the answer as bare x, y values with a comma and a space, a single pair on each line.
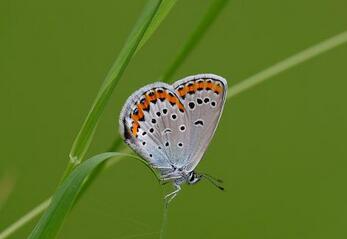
203, 96
149, 124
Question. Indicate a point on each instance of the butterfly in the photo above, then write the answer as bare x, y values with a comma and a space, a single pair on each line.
171, 126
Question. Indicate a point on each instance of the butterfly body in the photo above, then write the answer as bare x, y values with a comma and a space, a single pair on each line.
170, 126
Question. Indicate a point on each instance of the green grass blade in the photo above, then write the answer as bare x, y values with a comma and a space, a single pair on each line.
288, 63
214, 9
211, 14
66, 195
164, 9
110, 163
83, 139
44, 205
161, 13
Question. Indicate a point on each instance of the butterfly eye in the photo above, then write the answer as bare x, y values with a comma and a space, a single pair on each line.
192, 178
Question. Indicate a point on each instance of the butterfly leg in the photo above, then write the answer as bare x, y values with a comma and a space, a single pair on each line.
168, 198
166, 179
170, 176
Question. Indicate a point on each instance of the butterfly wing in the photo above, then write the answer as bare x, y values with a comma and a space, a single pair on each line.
149, 124
171, 126
203, 96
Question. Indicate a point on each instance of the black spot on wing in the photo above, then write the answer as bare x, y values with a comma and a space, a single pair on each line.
199, 122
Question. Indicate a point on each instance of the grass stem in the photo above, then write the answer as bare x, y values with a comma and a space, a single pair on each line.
84, 136
216, 7
25, 219
288, 63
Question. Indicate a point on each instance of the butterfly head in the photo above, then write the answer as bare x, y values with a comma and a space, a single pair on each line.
193, 178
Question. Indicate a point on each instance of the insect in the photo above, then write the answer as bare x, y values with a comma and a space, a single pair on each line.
171, 126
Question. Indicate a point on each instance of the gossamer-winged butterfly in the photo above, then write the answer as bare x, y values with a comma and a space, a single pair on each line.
171, 126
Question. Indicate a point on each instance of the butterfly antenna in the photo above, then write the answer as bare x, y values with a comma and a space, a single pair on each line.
213, 180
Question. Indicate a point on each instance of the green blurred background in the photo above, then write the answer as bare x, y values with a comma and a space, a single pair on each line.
280, 147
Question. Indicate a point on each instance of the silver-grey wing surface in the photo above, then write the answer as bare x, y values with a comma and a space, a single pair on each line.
149, 124
203, 97
170, 126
